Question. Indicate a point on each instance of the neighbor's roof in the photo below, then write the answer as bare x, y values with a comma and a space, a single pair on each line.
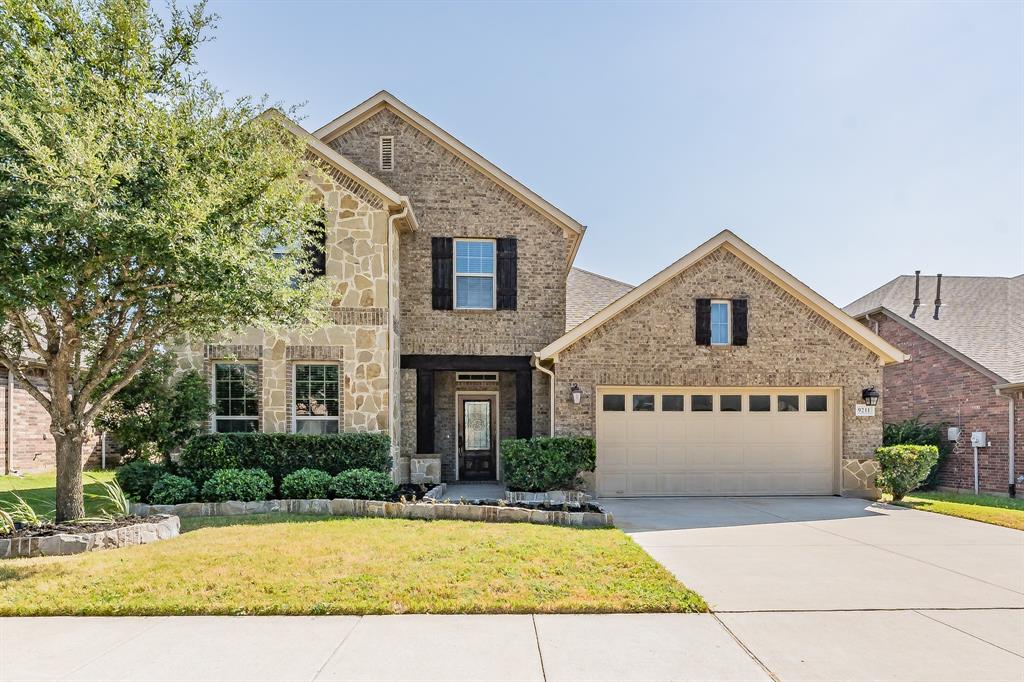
385, 100
886, 352
981, 318
587, 293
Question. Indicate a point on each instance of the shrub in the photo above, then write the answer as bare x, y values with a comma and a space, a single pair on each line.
137, 478
171, 489
280, 454
542, 464
362, 484
306, 484
904, 467
916, 432
244, 485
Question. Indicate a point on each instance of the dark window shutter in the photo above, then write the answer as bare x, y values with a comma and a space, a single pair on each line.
739, 321
508, 264
316, 251
441, 253
703, 322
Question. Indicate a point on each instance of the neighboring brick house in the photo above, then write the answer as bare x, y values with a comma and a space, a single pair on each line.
459, 321
966, 367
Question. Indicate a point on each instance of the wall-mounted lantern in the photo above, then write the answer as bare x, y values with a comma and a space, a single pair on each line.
870, 396
576, 392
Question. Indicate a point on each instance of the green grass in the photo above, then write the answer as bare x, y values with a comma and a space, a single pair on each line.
1001, 511
279, 564
39, 490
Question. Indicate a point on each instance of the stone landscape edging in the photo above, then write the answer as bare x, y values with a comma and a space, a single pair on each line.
428, 511
554, 497
76, 543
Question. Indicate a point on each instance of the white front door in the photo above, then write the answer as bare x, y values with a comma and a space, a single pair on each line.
716, 441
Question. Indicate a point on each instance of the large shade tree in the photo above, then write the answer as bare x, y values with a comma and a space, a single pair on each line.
137, 205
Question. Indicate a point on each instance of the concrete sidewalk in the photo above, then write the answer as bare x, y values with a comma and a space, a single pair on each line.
415, 647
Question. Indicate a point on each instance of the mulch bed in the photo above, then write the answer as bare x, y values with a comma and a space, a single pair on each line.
48, 529
412, 492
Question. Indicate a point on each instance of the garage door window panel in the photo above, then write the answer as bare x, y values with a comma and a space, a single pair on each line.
730, 403
760, 403
672, 403
643, 402
702, 403
789, 403
817, 403
613, 403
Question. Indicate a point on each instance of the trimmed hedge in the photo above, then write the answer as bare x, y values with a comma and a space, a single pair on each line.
138, 478
306, 484
280, 454
362, 484
171, 489
904, 467
243, 485
542, 464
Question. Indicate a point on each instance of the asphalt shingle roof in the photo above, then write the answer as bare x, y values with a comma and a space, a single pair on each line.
981, 317
587, 293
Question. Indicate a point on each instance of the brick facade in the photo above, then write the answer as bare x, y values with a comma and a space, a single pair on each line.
32, 446
652, 343
941, 388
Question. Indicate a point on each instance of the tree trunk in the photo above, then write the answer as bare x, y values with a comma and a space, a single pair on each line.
70, 500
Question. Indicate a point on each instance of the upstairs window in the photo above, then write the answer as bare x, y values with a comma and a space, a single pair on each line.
474, 274
720, 323
236, 397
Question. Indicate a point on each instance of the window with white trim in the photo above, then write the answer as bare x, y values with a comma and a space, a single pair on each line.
721, 323
236, 397
316, 398
474, 274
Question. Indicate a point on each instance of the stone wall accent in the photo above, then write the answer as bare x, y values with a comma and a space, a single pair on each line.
33, 449
555, 497
346, 182
76, 543
233, 351
941, 388
425, 469
424, 511
859, 477
453, 199
652, 343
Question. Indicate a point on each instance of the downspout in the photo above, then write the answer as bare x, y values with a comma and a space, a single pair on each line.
9, 445
874, 322
535, 361
395, 447
1011, 450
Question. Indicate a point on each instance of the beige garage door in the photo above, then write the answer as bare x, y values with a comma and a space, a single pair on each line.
703, 441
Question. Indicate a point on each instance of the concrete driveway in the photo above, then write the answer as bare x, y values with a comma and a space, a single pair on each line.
843, 589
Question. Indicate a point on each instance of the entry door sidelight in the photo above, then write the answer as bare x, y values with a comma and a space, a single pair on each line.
477, 452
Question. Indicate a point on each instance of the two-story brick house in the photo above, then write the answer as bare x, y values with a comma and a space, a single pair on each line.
454, 328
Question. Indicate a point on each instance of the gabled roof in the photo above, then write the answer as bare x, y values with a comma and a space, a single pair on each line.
587, 293
981, 319
385, 100
886, 352
344, 165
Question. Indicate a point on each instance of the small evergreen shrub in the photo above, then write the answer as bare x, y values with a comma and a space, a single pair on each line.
362, 484
171, 489
306, 484
543, 464
904, 467
243, 485
280, 454
138, 478
917, 432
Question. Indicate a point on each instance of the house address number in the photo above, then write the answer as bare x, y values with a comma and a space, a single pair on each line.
865, 410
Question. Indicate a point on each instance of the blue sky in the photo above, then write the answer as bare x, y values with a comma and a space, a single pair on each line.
850, 142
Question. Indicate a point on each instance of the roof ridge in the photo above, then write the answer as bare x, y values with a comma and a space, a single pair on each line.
605, 277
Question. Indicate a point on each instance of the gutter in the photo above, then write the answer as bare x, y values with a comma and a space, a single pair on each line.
535, 361
392, 342
9, 433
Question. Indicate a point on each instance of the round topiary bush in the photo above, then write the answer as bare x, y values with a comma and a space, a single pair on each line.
306, 484
904, 467
171, 489
362, 484
243, 485
137, 478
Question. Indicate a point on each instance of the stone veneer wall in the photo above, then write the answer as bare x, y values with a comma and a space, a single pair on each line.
453, 199
652, 343
359, 338
940, 388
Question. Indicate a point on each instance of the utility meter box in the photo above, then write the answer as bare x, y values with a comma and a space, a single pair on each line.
953, 433
979, 439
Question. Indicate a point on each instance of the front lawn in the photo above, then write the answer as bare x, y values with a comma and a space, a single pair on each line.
278, 564
39, 490
1001, 511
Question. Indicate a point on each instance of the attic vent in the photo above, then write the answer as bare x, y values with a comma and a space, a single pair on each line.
387, 152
